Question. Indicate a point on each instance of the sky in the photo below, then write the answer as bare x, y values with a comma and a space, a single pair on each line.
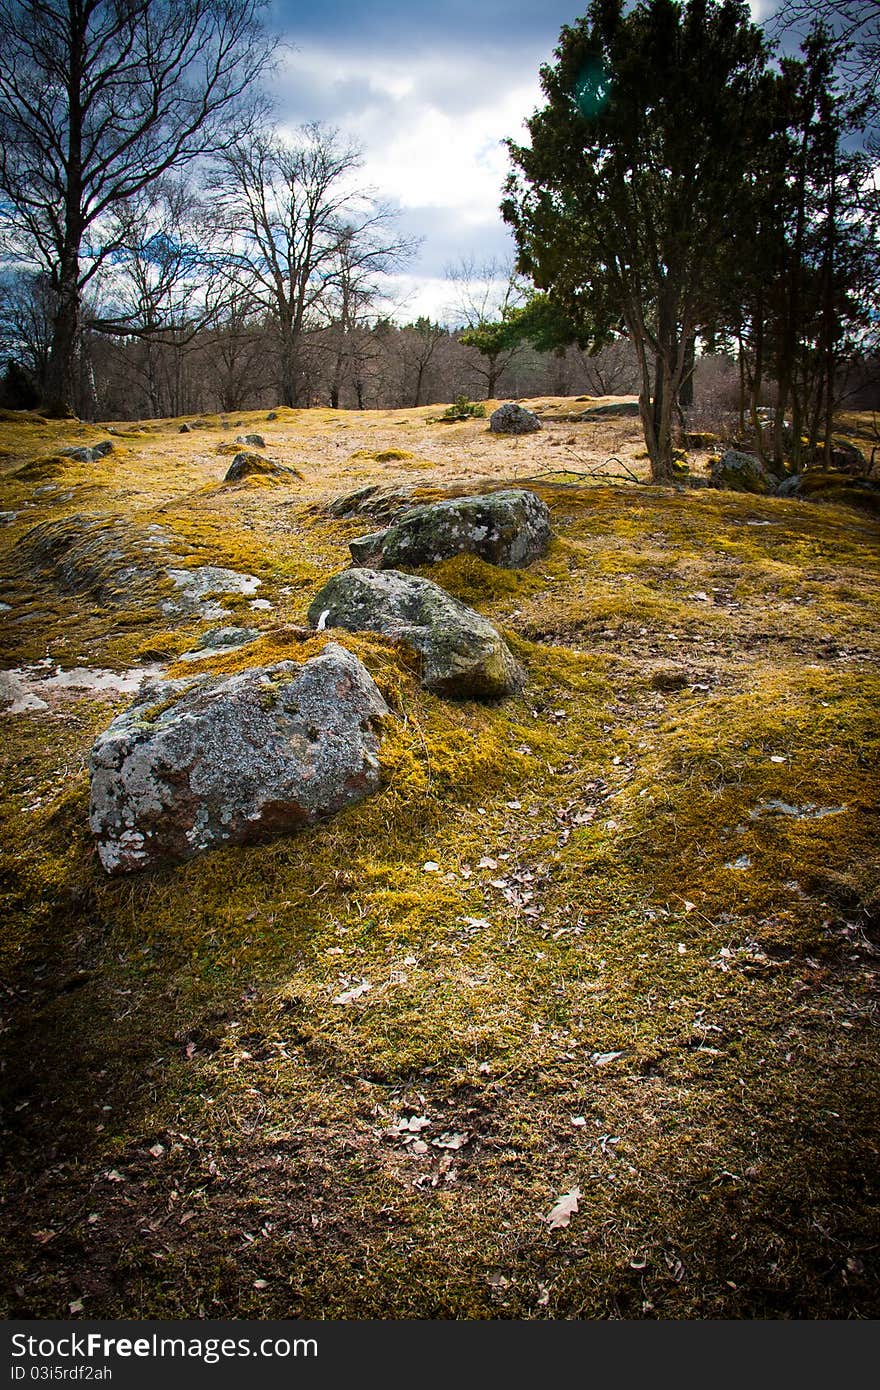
429, 91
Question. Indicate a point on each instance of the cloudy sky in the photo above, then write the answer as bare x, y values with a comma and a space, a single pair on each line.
429, 89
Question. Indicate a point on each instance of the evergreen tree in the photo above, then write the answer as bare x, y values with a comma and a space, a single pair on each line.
624, 202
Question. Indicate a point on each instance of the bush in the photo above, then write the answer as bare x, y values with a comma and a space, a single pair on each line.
463, 409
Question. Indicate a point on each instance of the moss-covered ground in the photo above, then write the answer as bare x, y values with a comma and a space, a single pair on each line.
619, 934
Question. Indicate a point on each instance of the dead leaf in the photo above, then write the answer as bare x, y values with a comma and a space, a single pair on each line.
355, 993
487, 862
450, 1141
157, 1150
430, 867
564, 1209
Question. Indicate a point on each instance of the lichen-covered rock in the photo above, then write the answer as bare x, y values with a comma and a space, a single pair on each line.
463, 657
89, 455
738, 472
511, 418
226, 760
367, 550
253, 441
385, 503
249, 465
220, 639
509, 528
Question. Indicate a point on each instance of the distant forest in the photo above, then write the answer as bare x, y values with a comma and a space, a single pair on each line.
708, 245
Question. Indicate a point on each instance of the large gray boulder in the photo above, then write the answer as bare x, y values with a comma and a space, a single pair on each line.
224, 760
511, 418
463, 657
509, 528
738, 472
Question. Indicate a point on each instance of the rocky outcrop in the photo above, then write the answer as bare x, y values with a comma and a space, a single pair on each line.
612, 410
194, 764
510, 529
511, 418
385, 503
117, 562
738, 472
463, 657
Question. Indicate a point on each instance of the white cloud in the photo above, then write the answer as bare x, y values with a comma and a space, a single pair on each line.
431, 135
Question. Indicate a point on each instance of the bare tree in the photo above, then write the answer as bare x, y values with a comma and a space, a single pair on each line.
485, 296
98, 98
307, 238
168, 280
27, 309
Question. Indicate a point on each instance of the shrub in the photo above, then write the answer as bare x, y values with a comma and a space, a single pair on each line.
463, 409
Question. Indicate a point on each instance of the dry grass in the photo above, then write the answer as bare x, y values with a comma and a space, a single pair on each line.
633, 973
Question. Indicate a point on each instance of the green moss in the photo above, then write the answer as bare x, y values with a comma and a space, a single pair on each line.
541, 900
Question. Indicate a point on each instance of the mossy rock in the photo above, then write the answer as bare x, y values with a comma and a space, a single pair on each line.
39, 470
106, 557
738, 472
176, 775
510, 528
463, 655
86, 454
372, 500
254, 466
827, 486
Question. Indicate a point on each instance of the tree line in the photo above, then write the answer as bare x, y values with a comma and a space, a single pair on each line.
686, 190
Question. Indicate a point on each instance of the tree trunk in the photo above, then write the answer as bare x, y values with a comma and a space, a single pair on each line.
65, 329
491, 378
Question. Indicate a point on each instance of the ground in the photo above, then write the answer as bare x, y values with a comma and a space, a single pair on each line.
617, 935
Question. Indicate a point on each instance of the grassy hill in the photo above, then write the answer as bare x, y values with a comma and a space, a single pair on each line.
619, 934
